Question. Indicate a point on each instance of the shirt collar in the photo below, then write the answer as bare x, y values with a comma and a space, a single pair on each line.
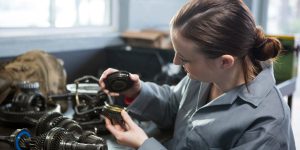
254, 93
259, 87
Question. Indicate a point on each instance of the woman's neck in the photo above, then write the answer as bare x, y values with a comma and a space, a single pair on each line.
227, 81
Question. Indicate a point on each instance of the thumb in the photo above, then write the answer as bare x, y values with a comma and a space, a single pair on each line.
127, 119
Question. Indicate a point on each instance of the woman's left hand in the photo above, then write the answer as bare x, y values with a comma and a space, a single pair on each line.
132, 136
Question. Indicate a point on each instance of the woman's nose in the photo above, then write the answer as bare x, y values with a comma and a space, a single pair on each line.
176, 61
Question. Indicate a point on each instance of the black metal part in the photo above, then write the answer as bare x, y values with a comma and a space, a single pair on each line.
53, 120
19, 139
27, 105
87, 106
113, 112
59, 139
87, 113
28, 98
118, 81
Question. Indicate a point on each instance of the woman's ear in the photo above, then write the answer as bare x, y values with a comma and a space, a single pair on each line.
226, 61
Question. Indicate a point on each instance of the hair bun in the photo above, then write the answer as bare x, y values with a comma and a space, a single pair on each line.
265, 47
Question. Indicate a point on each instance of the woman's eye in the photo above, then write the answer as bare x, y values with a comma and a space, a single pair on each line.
184, 61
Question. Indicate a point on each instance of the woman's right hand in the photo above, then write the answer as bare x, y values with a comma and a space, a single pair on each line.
131, 93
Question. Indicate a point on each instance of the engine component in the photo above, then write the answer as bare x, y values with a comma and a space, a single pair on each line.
88, 104
19, 139
29, 97
113, 112
26, 105
55, 119
55, 139
52, 120
59, 139
118, 81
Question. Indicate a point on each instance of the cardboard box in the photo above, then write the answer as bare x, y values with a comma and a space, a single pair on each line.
147, 39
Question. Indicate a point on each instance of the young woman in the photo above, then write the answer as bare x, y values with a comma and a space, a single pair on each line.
228, 100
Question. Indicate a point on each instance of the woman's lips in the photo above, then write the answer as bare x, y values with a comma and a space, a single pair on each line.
186, 70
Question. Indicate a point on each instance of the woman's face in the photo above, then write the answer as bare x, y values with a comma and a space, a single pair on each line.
195, 63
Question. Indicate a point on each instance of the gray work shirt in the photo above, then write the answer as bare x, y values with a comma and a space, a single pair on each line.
239, 119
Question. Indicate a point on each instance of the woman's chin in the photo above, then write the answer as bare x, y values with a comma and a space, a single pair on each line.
194, 77
191, 76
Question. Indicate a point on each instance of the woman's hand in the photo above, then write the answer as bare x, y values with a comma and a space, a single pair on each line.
132, 136
132, 92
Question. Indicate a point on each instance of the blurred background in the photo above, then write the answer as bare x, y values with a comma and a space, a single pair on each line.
91, 35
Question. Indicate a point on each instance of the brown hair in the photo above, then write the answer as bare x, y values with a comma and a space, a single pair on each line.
221, 27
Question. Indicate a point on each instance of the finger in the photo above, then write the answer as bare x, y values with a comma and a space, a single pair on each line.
106, 91
104, 76
107, 122
118, 127
126, 126
114, 94
127, 119
109, 71
134, 77
111, 93
101, 83
115, 125
111, 128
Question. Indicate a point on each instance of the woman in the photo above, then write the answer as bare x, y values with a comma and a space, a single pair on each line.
228, 100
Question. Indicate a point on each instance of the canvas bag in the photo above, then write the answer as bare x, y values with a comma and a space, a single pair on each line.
33, 66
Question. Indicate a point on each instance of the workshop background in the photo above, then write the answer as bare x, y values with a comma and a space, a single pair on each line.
91, 35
